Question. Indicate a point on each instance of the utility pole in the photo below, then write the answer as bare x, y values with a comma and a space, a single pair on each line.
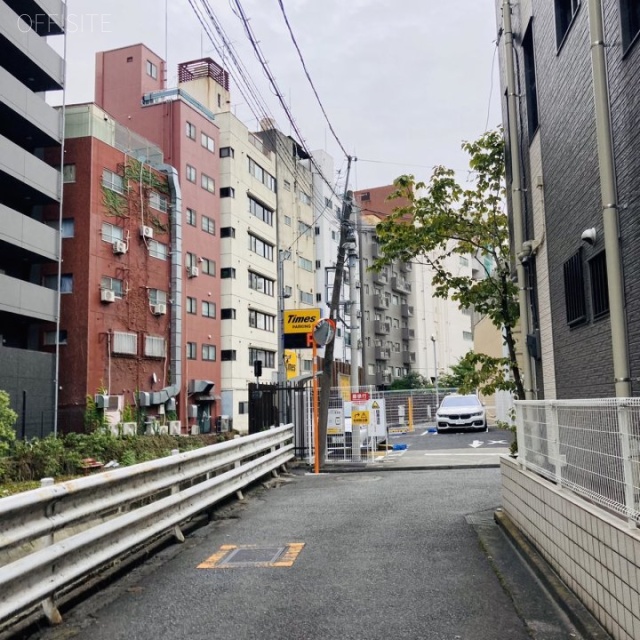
325, 390
353, 316
615, 282
283, 254
516, 198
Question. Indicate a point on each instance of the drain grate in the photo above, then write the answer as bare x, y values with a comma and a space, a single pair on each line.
244, 556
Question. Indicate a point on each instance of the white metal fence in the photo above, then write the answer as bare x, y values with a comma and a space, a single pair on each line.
378, 415
589, 446
58, 534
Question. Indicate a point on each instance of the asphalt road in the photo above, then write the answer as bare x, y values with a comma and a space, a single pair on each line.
422, 440
385, 555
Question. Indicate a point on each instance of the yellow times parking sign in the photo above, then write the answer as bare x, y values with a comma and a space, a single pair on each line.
359, 418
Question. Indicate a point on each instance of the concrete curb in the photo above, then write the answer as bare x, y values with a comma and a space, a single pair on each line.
580, 616
368, 468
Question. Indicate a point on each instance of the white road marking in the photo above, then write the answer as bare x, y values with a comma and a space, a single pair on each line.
497, 442
470, 453
476, 443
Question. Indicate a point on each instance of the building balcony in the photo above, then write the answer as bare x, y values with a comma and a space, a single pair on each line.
26, 55
46, 17
406, 267
380, 302
406, 310
375, 251
380, 278
408, 334
27, 299
383, 378
400, 285
408, 357
382, 328
29, 235
382, 353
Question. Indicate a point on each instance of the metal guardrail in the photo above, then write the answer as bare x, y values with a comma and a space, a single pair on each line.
131, 505
591, 447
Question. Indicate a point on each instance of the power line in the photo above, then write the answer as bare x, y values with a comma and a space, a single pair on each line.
493, 65
306, 72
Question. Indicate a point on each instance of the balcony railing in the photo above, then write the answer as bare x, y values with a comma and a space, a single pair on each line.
400, 285
382, 354
380, 302
382, 328
408, 334
408, 357
406, 310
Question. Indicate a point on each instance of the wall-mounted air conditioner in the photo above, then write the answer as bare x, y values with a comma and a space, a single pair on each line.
146, 232
119, 247
193, 272
159, 309
107, 295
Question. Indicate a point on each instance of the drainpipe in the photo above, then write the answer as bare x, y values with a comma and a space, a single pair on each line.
516, 197
177, 272
609, 194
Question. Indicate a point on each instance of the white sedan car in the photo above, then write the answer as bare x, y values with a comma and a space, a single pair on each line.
461, 412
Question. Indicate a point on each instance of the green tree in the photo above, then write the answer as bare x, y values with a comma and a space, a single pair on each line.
8, 419
444, 219
412, 380
459, 377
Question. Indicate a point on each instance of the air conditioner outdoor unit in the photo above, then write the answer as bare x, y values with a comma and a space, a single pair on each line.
107, 295
193, 272
146, 232
102, 401
159, 309
119, 247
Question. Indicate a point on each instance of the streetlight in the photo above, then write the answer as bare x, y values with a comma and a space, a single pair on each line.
435, 366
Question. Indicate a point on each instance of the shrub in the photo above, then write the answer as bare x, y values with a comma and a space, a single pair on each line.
8, 419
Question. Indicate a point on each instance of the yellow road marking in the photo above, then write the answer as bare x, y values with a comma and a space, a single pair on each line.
285, 560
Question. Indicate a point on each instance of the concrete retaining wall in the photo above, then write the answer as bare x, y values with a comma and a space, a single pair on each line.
596, 554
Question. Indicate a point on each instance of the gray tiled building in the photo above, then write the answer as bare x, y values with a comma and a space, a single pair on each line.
29, 180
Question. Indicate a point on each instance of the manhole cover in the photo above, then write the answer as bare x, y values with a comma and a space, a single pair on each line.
236, 556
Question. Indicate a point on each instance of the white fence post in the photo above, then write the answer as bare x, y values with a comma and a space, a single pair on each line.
49, 607
554, 440
522, 454
177, 531
627, 461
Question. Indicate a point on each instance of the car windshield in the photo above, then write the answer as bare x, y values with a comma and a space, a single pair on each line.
460, 401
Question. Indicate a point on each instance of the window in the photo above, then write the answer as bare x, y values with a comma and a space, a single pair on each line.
112, 284
630, 16
192, 174
208, 225
228, 355
68, 228
208, 309
565, 12
207, 183
262, 321
157, 296
158, 250
260, 211
287, 185
192, 305
318, 264
227, 192
191, 217
530, 81
66, 282
112, 181
261, 284
467, 335
599, 285
287, 220
306, 365
208, 267
288, 291
191, 260
159, 201
317, 231
243, 407
191, 130
574, 290
333, 235
111, 233
209, 352
227, 152
227, 272
152, 70
260, 174
305, 264
304, 228
365, 196
69, 173
227, 232
192, 351
464, 261
49, 338
155, 347
304, 197
208, 142
318, 297
371, 369
328, 203
268, 358
260, 247
306, 298
227, 314
125, 343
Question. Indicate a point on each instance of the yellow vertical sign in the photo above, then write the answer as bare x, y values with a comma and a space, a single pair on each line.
291, 363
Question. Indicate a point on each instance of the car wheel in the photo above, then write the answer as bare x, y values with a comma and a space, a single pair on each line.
438, 431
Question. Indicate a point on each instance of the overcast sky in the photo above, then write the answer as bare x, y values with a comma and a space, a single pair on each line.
403, 81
